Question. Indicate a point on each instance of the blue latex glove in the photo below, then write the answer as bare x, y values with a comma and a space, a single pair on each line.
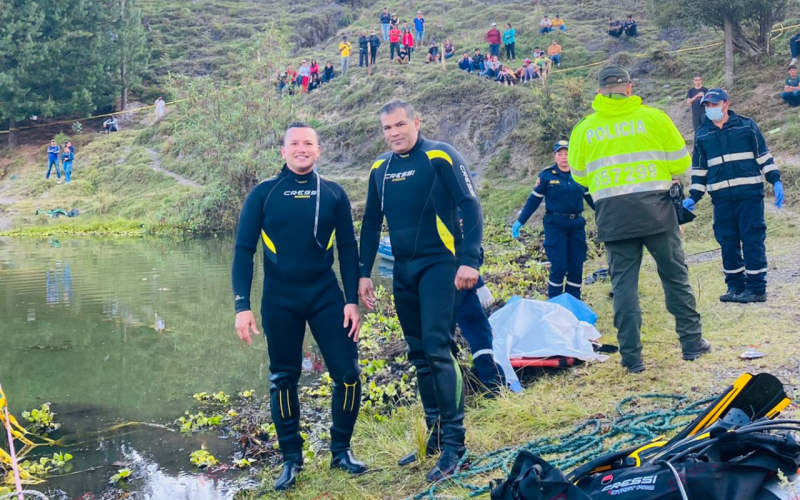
689, 204
515, 229
779, 194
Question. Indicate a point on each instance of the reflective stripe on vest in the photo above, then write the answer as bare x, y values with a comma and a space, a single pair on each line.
643, 187
741, 181
731, 157
648, 156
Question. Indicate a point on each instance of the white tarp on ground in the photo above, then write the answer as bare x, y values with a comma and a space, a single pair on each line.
534, 329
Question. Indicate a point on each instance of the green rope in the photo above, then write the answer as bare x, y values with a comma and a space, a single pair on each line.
584, 442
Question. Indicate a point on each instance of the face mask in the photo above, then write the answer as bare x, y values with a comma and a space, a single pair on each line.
714, 114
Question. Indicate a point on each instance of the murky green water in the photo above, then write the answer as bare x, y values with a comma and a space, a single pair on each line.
119, 330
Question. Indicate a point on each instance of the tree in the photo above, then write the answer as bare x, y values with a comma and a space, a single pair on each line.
132, 52
54, 58
733, 17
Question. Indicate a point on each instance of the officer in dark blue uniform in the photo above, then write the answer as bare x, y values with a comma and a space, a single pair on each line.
564, 226
730, 156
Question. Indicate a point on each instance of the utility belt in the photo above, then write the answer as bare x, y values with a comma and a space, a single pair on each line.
561, 214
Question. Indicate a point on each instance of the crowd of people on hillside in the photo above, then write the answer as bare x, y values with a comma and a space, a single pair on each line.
406, 38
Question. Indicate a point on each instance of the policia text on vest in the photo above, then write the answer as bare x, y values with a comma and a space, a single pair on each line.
627, 155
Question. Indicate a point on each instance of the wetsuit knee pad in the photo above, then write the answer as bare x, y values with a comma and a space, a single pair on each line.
347, 393
284, 398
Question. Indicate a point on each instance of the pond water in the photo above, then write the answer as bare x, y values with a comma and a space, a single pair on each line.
113, 331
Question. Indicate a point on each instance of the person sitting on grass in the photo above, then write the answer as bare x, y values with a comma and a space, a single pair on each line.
791, 88
465, 63
111, 125
615, 28
544, 65
328, 73
545, 25
492, 67
449, 49
630, 27
506, 76
291, 74
433, 53
402, 55
558, 24
528, 71
314, 83
314, 68
554, 51
478, 61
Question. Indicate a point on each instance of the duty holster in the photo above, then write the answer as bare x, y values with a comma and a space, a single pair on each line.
676, 194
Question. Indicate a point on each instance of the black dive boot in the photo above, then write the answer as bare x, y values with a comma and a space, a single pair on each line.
345, 460
291, 467
448, 464
428, 397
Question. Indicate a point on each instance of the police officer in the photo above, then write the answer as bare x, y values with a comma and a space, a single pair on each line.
419, 186
627, 154
297, 216
730, 155
564, 226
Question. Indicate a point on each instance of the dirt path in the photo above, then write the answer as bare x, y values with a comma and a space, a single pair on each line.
156, 165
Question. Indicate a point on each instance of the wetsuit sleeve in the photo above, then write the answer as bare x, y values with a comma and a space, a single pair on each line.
457, 179
699, 172
348, 249
534, 200
371, 227
247, 236
588, 198
765, 160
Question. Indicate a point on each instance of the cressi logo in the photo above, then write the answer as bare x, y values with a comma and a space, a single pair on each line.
300, 194
400, 176
635, 481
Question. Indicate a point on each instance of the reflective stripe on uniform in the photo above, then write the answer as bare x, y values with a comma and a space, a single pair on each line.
482, 352
747, 271
768, 169
735, 271
699, 172
698, 187
764, 158
578, 173
641, 156
537, 194
575, 285
554, 284
731, 157
643, 187
741, 181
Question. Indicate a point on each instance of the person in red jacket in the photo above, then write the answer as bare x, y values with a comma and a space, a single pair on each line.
494, 37
408, 42
394, 41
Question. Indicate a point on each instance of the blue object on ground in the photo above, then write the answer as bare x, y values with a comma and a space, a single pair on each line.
576, 307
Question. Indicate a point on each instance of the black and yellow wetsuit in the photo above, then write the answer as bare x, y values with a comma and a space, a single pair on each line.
297, 218
420, 194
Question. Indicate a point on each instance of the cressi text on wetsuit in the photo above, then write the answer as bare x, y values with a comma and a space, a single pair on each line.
296, 219
420, 193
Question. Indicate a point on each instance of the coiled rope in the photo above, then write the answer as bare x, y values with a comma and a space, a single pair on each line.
584, 442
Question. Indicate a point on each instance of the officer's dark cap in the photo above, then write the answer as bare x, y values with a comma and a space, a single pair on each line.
611, 75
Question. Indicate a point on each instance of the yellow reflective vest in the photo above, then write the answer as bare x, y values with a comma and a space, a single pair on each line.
627, 154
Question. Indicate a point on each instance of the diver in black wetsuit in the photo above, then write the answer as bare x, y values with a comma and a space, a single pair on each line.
296, 216
419, 186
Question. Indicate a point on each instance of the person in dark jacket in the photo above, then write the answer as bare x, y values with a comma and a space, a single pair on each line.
363, 49
564, 226
328, 73
477, 61
385, 19
374, 43
630, 27
314, 83
67, 156
729, 159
